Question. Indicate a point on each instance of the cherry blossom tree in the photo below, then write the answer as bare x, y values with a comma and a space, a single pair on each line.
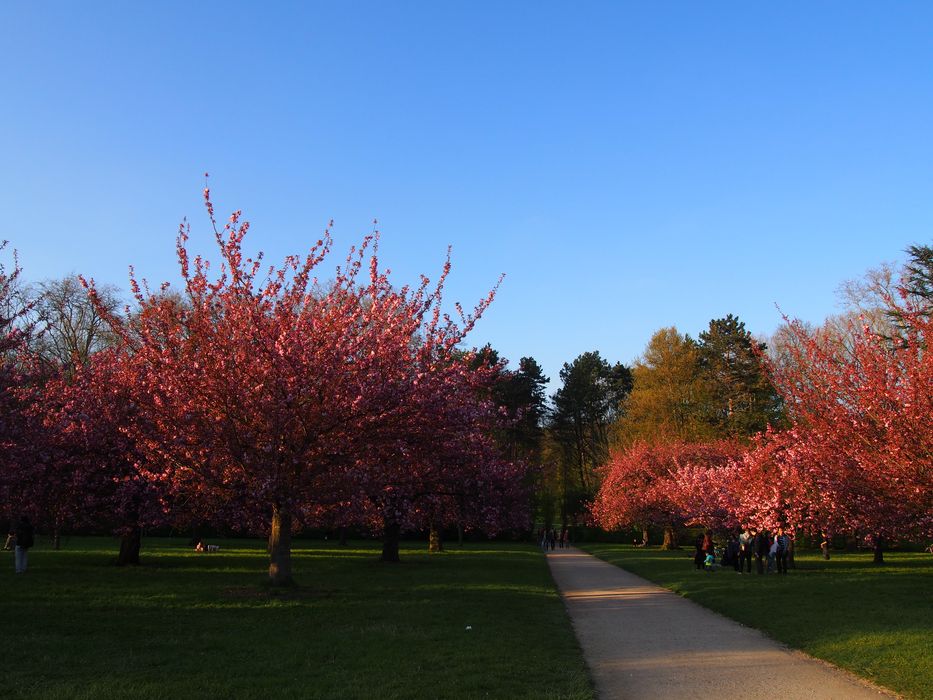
668, 485
18, 372
861, 453
437, 463
256, 390
84, 468
707, 485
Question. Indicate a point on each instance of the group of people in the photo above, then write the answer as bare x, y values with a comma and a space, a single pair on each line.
549, 539
20, 539
769, 551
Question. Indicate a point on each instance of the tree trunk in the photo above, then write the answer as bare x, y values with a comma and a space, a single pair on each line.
390, 542
343, 536
644, 537
130, 544
57, 537
280, 547
460, 509
879, 551
435, 543
670, 539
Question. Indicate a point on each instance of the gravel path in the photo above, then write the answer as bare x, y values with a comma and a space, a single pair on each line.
642, 641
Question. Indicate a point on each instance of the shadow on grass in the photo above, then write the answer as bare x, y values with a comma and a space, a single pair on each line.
474, 624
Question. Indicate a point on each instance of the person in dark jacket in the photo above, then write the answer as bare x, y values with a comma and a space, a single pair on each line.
783, 545
699, 555
24, 540
762, 545
731, 556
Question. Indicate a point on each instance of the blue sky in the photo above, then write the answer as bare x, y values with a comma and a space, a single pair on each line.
627, 165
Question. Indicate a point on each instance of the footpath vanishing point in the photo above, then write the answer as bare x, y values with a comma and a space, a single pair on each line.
642, 642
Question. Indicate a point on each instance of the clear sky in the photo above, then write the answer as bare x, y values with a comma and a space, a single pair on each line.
628, 165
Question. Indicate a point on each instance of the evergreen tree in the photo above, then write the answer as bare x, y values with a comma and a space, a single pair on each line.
916, 287
740, 400
918, 274
585, 407
520, 394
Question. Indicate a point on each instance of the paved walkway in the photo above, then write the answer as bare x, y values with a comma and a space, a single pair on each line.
642, 641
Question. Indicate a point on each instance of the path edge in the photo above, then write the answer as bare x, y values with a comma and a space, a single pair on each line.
861, 680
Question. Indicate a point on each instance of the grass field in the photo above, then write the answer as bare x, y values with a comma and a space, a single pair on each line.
187, 625
876, 621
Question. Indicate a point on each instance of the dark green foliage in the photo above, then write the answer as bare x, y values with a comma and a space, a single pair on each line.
521, 398
917, 286
740, 399
918, 277
521, 395
186, 625
585, 408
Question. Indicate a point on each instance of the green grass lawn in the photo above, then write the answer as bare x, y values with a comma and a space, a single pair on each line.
188, 625
876, 621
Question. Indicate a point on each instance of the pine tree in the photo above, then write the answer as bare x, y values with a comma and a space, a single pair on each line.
585, 408
740, 400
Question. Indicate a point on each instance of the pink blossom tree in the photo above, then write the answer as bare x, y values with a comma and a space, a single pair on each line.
85, 469
16, 371
668, 485
258, 389
860, 456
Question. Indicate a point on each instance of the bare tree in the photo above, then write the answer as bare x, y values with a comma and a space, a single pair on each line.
70, 328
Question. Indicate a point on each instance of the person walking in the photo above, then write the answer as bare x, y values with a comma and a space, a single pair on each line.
746, 543
24, 540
